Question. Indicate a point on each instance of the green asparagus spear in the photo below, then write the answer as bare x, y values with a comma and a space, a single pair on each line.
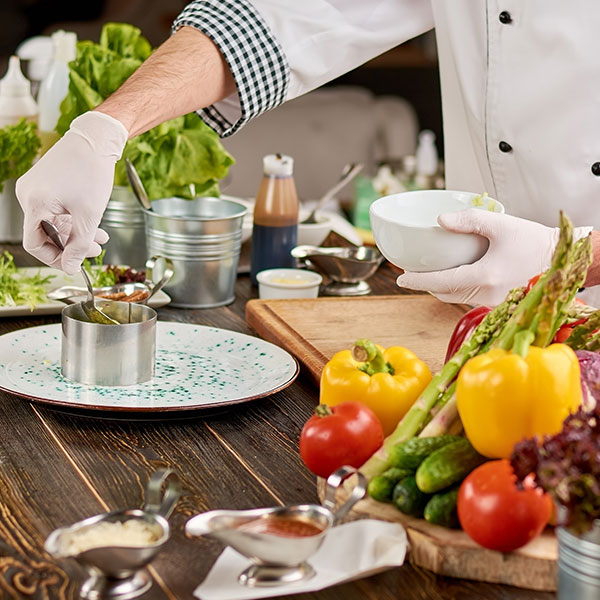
524, 313
414, 418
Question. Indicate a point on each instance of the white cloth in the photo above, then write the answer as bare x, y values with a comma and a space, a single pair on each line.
70, 186
513, 82
350, 551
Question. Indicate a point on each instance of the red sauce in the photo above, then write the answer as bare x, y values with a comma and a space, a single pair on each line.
281, 526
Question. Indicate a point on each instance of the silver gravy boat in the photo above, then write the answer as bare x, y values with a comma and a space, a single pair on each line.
117, 572
278, 559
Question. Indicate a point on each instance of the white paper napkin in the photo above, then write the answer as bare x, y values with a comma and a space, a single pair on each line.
350, 551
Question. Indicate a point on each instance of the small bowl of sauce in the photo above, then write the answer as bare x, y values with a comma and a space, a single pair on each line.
288, 283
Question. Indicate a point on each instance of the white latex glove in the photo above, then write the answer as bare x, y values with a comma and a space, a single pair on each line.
518, 250
70, 186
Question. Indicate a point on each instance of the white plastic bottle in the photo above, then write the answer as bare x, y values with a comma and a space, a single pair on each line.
54, 86
427, 160
16, 100
37, 53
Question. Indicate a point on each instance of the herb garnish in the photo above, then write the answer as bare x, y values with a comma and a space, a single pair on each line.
18, 288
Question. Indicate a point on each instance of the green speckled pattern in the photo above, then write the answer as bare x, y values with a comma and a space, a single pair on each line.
196, 367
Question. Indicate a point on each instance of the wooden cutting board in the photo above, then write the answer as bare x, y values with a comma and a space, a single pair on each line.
314, 329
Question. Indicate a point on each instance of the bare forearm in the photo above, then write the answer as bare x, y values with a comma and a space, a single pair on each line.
184, 74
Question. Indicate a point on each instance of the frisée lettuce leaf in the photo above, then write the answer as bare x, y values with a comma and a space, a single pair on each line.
18, 288
181, 157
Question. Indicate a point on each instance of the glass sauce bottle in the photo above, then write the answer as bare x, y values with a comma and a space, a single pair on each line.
275, 228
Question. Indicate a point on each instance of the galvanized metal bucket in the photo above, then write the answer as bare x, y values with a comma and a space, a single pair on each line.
123, 220
202, 237
579, 564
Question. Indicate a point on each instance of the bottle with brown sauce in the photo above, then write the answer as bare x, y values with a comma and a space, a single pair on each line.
275, 227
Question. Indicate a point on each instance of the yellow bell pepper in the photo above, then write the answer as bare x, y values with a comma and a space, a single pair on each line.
387, 381
503, 397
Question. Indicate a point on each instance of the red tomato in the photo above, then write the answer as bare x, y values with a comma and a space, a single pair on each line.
498, 515
464, 328
346, 434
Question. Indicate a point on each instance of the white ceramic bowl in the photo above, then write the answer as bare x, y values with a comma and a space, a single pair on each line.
406, 230
313, 234
288, 283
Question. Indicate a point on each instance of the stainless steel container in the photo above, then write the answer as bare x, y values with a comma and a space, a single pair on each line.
109, 355
579, 564
11, 214
123, 220
202, 237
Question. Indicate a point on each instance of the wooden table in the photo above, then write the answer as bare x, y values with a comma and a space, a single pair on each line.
57, 468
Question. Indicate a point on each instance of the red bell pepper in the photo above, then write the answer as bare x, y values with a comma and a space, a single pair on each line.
464, 328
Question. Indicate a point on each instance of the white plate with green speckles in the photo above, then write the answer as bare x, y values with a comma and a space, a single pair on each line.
197, 367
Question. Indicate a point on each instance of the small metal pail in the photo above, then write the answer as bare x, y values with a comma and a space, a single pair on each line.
109, 355
579, 564
123, 220
202, 237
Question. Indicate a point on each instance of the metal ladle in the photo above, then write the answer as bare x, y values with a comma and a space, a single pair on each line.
348, 173
94, 314
136, 185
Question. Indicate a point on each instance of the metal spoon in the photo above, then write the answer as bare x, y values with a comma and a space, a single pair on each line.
94, 314
136, 185
348, 173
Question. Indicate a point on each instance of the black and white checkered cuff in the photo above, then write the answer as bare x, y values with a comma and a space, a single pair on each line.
255, 57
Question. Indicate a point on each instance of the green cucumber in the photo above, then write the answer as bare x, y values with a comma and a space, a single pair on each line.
447, 465
408, 498
441, 508
381, 487
411, 453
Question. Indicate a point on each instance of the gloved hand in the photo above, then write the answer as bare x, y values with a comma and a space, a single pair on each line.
70, 186
518, 250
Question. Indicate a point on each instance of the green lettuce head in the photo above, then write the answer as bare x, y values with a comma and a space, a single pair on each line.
181, 157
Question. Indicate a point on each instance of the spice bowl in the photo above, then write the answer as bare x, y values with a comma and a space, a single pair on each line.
114, 547
279, 540
314, 234
288, 283
109, 355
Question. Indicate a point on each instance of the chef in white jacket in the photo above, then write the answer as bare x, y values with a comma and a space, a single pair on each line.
520, 92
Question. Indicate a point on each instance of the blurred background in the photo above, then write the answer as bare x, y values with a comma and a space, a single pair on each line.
372, 115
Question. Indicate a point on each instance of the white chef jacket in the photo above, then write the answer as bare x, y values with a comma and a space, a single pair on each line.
520, 81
